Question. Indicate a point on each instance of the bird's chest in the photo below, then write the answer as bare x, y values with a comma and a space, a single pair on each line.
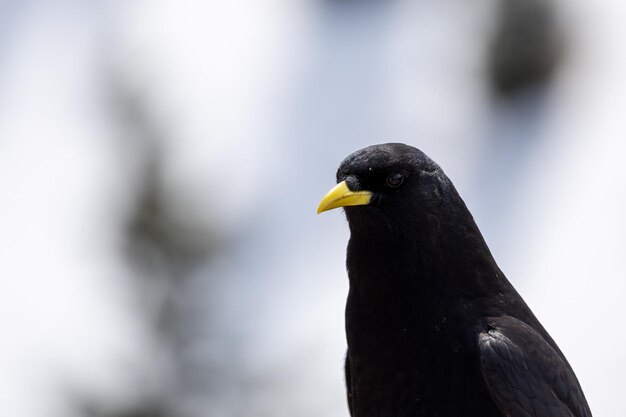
410, 359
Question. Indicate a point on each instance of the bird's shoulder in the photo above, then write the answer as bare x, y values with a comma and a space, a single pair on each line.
526, 374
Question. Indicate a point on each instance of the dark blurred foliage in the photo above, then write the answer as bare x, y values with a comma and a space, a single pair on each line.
165, 239
142, 410
526, 47
164, 236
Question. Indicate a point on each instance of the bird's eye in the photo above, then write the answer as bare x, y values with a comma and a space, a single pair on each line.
395, 180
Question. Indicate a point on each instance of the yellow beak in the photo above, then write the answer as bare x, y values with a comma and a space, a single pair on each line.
341, 196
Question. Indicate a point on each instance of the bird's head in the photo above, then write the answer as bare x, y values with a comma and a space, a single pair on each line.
399, 204
392, 182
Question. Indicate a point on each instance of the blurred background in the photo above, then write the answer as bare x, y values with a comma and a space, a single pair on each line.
161, 163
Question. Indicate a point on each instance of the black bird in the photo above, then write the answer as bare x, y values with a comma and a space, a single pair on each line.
434, 328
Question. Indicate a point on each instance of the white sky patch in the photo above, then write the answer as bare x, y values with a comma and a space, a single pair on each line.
220, 72
64, 319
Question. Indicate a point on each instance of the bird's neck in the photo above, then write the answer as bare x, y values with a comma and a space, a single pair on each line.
405, 261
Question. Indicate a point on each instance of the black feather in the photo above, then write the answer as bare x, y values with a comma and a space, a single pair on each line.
434, 328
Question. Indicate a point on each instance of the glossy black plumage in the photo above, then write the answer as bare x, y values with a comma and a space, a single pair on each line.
434, 328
